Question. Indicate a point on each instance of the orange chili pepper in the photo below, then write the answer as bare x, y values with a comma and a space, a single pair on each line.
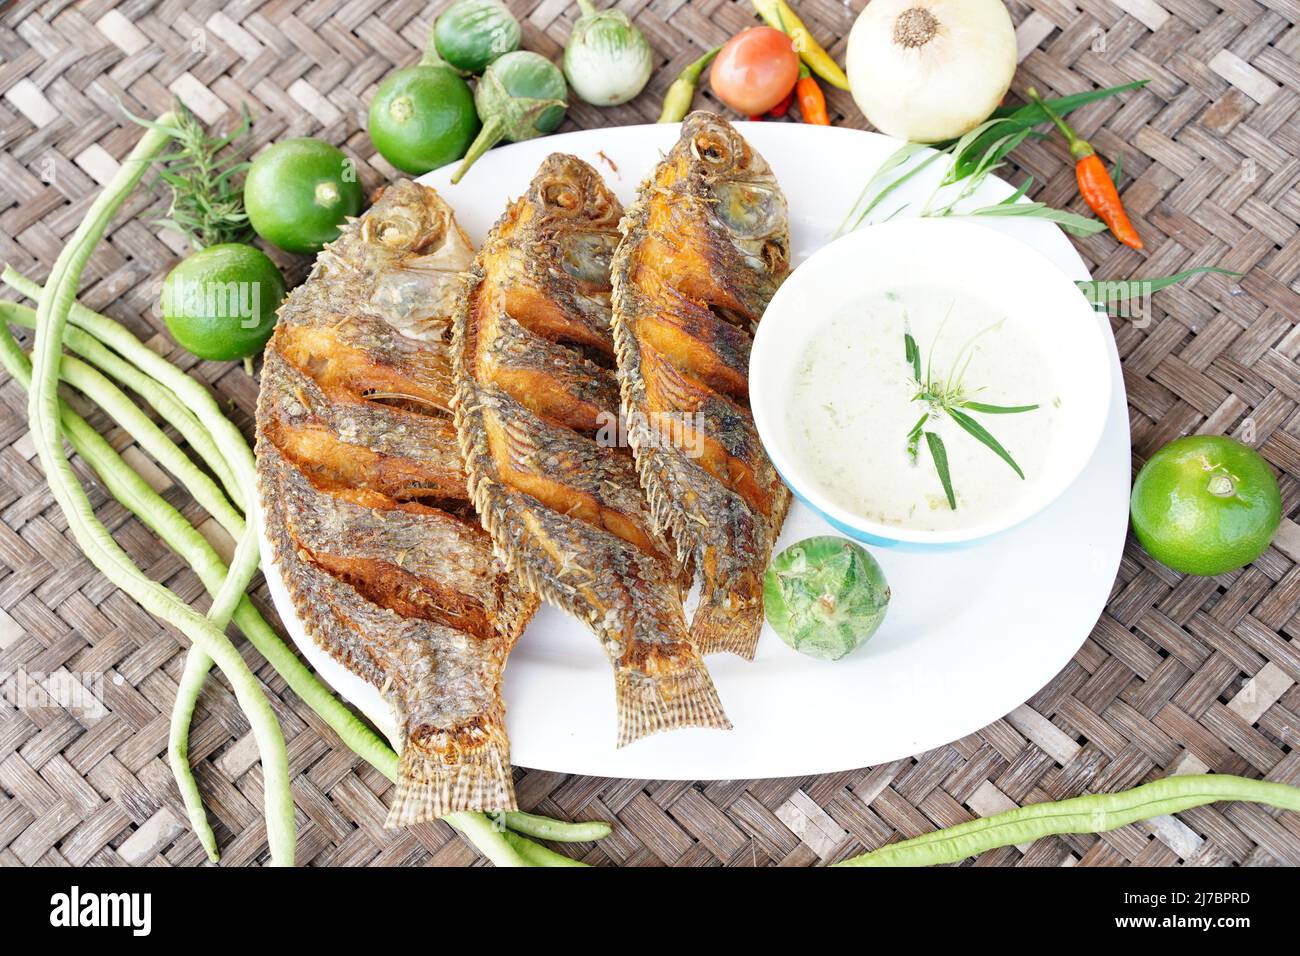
812, 102
1095, 185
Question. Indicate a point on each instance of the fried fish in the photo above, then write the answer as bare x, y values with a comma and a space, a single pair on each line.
365, 499
537, 414
704, 249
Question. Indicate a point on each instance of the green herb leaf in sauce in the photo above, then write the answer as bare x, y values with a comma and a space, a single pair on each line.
949, 398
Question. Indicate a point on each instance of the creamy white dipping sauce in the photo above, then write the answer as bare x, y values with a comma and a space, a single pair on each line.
854, 403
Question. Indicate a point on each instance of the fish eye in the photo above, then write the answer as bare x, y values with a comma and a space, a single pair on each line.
561, 196
710, 148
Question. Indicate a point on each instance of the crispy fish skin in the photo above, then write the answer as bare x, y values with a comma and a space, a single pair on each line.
532, 350
365, 500
704, 249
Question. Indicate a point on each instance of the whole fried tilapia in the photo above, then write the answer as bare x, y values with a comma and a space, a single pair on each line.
537, 414
704, 249
365, 499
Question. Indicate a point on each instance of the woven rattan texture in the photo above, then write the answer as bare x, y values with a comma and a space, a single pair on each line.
1179, 674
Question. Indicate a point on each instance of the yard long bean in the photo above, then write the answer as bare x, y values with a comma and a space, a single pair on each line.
91, 535
356, 735
544, 828
171, 526
477, 827
141, 427
126, 485
192, 393
537, 855
1094, 813
162, 398
153, 440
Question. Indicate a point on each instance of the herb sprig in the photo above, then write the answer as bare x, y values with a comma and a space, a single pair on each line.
207, 204
949, 397
971, 159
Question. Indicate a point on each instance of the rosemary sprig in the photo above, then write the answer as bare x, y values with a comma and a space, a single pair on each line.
949, 398
207, 204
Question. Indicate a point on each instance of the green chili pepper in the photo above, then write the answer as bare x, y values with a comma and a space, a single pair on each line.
677, 101
1094, 813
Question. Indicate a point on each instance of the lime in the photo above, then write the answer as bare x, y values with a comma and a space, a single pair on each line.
1205, 504
220, 303
298, 193
422, 118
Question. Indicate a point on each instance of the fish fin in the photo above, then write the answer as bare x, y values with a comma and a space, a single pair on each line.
429, 786
684, 697
719, 630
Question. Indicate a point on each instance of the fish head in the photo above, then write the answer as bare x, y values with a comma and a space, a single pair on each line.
412, 252
747, 204
580, 214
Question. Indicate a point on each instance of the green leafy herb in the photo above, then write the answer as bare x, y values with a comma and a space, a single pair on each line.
207, 204
1102, 292
913, 353
940, 456
979, 432
1008, 119
914, 436
1071, 222
997, 409
948, 397
971, 160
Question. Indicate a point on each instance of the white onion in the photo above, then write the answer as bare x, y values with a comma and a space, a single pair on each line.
931, 70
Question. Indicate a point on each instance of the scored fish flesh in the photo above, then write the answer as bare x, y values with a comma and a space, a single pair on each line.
365, 500
537, 414
704, 249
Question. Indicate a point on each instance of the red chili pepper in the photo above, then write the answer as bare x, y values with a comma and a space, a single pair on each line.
1095, 185
812, 102
784, 106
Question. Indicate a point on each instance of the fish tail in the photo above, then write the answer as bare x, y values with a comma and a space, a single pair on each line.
432, 783
682, 697
717, 629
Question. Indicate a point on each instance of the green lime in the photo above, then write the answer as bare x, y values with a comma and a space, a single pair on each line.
220, 303
422, 118
298, 192
1205, 504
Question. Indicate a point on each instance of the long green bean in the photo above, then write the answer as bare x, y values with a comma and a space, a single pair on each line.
193, 677
95, 386
91, 535
192, 393
544, 828
353, 732
138, 497
535, 854
163, 399
141, 427
1094, 813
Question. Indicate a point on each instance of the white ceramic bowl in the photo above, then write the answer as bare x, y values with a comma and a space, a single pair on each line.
984, 264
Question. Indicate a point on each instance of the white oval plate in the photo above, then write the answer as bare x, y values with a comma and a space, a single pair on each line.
970, 635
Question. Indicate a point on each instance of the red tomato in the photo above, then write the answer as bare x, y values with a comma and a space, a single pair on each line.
755, 70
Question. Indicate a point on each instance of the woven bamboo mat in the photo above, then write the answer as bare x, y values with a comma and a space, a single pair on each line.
1180, 674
